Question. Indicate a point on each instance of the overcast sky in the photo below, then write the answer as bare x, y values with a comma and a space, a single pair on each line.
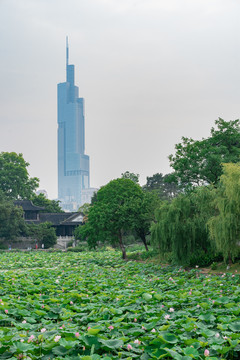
151, 71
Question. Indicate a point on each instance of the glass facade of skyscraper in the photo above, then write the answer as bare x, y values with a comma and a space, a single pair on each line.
73, 163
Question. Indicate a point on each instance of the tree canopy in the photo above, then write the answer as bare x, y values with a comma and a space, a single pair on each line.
50, 206
84, 209
131, 176
164, 186
199, 162
15, 182
225, 225
181, 225
44, 233
146, 205
11, 219
114, 212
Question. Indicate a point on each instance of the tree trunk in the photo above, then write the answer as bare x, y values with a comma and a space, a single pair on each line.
124, 255
143, 238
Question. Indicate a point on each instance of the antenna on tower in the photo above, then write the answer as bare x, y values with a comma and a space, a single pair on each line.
67, 51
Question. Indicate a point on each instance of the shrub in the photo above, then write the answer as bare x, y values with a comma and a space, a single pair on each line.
3, 245
214, 266
70, 244
202, 259
78, 248
141, 255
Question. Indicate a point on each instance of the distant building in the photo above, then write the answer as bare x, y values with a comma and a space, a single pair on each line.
64, 223
87, 195
73, 163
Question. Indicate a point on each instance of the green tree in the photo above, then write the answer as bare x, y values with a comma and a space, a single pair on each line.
84, 209
44, 233
15, 182
11, 219
94, 197
114, 212
181, 225
50, 206
131, 176
163, 185
146, 206
92, 231
225, 225
199, 162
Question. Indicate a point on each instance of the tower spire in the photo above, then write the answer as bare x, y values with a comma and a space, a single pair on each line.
67, 51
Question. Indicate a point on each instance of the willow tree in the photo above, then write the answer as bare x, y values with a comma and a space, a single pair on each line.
225, 226
160, 230
181, 226
173, 231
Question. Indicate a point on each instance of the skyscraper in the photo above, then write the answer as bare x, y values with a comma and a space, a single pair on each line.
73, 163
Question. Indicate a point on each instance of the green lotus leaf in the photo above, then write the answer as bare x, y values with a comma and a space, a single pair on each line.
169, 338
191, 352
110, 303
93, 331
158, 296
208, 317
174, 354
223, 300
205, 305
60, 350
234, 326
30, 319
112, 344
147, 296
23, 347
40, 312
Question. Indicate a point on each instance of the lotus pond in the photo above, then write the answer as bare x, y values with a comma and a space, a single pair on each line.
94, 306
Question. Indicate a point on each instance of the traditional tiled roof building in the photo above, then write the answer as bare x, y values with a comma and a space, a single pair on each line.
64, 223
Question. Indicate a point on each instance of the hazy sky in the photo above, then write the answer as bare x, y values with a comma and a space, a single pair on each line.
151, 71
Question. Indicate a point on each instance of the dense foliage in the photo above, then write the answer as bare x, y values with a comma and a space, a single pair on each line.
199, 162
181, 226
44, 233
15, 182
225, 225
146, 206
50, 206
165, 186
115, 210
132, 176
90, 306
11, 219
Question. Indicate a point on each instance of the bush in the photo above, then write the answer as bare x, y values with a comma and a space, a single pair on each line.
52, 250
136, 247
44, 233
202, 259
141, 255
129, 239
214, 266
79, 248
3, 245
